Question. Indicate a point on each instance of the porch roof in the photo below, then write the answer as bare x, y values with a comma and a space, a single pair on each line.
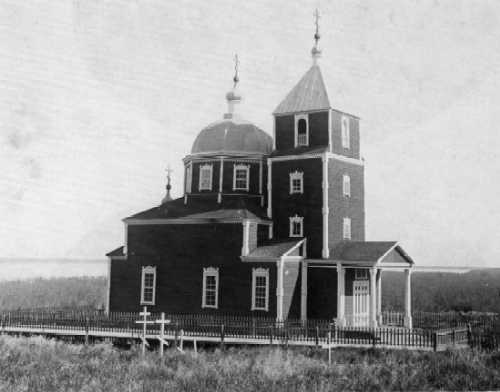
380, 253
271, 251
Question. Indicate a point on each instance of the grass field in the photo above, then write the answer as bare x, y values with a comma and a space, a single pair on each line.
36, 364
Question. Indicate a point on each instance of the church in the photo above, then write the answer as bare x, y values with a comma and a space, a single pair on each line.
267, 226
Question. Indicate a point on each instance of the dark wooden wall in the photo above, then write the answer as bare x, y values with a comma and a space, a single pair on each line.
308, 204
179, 265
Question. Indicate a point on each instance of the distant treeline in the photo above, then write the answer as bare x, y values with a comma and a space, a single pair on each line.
477, 290
54, 292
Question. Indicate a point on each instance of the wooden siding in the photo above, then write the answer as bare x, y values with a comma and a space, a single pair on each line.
354, 150
227, 176
321, 293
179, 267
291, 287
285, 130
308, 204
318, 129
341, 206
284, 127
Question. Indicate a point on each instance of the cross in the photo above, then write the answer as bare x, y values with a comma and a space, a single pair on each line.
236, 66
316, 16
162, 321
169, 171
144, 323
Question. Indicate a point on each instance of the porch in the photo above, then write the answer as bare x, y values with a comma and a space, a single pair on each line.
359, 268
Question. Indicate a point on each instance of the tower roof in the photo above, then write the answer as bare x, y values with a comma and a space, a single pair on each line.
308, 94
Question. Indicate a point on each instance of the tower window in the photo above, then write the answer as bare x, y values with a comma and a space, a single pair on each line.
346, 185
301, 130
241, 177
296, 226
347, 229
260, 289
148, 285
296, 182
346, 137
205, 178
210, 295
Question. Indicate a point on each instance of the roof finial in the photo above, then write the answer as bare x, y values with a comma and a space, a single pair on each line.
316, 52
236, 79
168, 187
233, 97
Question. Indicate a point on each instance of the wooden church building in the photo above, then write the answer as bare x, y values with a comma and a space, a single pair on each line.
267, 227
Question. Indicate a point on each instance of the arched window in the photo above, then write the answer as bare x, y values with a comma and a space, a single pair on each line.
241, 177
346, 132
210, 295
301, 130
296, 182
347, 229
296, 226
205, 181
346, 185
148, 285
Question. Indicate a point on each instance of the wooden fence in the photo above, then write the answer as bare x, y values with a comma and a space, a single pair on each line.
227, 329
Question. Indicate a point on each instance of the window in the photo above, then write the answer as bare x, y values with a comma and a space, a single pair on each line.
210, 296
361, 274
148, 285
205, 178
301, 130
189, 177
346, 185
296, 226
296, 182
347, 229
346, 137
241, 174
260, 289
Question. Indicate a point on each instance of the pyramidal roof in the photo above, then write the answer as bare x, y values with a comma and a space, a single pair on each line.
308, 94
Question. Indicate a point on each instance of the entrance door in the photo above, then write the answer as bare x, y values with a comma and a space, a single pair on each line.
361, 303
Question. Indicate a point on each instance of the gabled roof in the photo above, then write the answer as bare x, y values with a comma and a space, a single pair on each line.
308, 94
368, 251
201, 210
272, 250
118, 252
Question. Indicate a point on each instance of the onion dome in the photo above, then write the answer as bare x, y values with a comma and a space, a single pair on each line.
232, 134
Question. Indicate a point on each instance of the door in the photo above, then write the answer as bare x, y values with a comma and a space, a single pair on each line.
361, 303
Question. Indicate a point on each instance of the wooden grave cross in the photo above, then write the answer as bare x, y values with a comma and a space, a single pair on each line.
144, 323
162, 321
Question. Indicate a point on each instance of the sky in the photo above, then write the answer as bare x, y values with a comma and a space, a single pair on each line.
99, 97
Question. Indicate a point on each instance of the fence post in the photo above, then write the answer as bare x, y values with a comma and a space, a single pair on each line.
453, 336
317, 335
86, 330
329, 346
434, 340
222, 336
469, 335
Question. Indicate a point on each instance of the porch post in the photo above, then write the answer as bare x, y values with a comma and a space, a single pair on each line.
373, 297
303, 289
408, 319
379, 296
279, 290
340, 295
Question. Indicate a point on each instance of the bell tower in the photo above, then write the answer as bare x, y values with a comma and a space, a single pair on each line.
316, 176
